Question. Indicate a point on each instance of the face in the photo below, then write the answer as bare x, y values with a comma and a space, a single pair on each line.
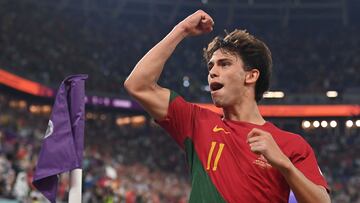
226, 78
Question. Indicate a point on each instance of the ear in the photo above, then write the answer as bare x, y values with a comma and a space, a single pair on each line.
252, 76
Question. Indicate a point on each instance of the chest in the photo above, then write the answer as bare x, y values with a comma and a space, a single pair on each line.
240, 174
223, 151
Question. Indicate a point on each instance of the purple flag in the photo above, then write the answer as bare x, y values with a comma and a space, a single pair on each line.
292, 198
63, 142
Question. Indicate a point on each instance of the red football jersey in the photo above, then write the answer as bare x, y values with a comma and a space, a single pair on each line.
222, 166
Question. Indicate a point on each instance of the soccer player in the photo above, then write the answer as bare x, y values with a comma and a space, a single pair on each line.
238, 156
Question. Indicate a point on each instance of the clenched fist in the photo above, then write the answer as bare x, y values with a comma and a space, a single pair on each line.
262, 142
197, 23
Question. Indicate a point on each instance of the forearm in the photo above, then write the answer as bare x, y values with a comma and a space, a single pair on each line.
305, 190
148, 70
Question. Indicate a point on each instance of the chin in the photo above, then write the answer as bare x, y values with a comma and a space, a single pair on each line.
221, 103
218, 103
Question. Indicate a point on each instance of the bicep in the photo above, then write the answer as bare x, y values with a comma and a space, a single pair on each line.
154, 100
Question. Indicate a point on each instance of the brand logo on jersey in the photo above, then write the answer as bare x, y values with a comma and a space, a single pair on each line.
216, 129
262, 162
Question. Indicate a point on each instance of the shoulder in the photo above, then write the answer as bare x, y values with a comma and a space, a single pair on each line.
289, 141
283, 134
176, 99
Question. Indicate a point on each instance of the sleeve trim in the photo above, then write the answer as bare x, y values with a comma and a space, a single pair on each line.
173, 95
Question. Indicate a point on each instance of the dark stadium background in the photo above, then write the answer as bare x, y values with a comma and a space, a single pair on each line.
315, 46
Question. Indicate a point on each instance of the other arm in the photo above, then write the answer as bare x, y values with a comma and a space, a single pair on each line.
305, 190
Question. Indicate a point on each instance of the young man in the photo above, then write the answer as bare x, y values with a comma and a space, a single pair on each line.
237, 157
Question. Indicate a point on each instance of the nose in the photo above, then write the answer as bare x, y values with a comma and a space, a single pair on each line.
214, 72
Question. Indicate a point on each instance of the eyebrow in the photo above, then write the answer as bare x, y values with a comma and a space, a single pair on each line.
221, 60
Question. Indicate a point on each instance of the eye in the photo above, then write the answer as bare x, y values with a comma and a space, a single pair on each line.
210, 66
225, 63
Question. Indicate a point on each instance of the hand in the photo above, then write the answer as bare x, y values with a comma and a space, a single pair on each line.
197, 23
262, 142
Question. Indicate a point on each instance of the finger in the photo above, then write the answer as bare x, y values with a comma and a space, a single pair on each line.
256, 148
211, 21
253, 139
207, 30
206, 19
205, 16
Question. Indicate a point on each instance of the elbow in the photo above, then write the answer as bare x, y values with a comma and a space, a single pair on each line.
129, 86
134, 87
327, 199
323, 196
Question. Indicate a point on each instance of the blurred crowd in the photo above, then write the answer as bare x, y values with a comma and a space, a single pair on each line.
121, 164
46, 44
125, 164
338, 156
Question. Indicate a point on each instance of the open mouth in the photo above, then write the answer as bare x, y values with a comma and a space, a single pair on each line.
214, 86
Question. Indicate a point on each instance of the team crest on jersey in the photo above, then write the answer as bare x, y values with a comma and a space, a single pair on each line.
262, 162
49, 129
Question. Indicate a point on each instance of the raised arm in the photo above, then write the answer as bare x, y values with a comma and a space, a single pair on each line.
142, 85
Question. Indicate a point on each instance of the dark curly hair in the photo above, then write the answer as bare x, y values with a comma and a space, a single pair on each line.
254, 53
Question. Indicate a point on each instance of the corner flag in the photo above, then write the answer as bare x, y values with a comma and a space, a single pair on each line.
63, 142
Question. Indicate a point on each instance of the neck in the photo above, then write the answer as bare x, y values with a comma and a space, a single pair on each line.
246, 111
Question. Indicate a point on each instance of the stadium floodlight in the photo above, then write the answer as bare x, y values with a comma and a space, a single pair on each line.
331, 94
274, 94
316, 124
306, 124
138, 119
349, 123
186, 81
35, 109
13, 104
22, 104
46, 109
123, 121
357, 123
333, 124
205, 88
89, 115
324, 124
102, 117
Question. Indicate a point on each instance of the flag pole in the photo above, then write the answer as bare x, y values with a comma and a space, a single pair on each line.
75, 186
